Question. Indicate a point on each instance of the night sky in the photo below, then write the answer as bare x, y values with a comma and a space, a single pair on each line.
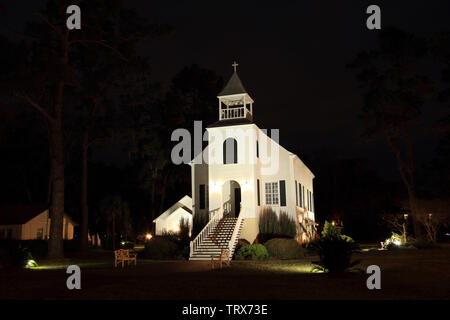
292, 57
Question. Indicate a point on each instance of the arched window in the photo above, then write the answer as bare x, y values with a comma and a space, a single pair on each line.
230, 151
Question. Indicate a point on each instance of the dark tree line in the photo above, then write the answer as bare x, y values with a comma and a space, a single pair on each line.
91, 89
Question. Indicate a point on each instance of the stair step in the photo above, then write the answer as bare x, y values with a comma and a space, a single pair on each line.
218, 239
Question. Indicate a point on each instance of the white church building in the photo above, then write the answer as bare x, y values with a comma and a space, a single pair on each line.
241, 172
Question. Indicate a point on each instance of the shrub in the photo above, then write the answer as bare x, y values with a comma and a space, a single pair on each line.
268, 222
288, 227
271, 226
199, 221
335, 253
239, 245
14, 254
161, 248
282, 248
126, 244
332, 232
393, 241
252, 252
183, 234
424, 244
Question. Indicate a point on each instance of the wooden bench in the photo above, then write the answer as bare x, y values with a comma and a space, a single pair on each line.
221, 259
123, 255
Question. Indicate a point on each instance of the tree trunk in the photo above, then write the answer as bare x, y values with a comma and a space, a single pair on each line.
413, 208
55, 243
406, 170
84, 187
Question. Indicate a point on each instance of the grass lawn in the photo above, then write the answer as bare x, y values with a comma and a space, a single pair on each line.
405, 274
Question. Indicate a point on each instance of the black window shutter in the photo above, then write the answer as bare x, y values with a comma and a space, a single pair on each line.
300, 195
202, 196
235, 150
257, 188
282, 193
257, 149
225, 152
296, 194
303, 196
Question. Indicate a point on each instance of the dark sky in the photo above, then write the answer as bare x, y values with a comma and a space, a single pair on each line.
292, 57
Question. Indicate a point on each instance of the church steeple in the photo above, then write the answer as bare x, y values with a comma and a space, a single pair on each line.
238, 103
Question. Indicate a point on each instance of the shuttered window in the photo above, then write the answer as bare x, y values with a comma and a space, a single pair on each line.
296, 194
257, 149
271, 193
300, 200
282, 193
303, 196
258, 191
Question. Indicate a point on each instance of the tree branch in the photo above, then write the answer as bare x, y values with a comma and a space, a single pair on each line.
49, 23
102, 43
35, 105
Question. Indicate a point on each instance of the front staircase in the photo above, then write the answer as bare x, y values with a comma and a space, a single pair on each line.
223, 235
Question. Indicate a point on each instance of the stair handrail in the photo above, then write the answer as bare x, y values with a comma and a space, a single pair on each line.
212, 223
231, 246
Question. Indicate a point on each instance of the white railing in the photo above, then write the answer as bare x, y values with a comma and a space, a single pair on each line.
212, 223
234, 113
232, 243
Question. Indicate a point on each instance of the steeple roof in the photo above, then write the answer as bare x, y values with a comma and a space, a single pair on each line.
234, 86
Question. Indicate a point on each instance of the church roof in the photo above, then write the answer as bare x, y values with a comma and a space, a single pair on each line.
230, 122
234, 86
20, 214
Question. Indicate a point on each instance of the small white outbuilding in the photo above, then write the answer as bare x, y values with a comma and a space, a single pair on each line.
169, 220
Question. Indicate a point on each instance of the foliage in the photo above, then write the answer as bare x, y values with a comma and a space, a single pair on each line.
240, 244
432, 223
252, 252
273, 226
161, 248
127, 245
335, 254
183, 233
116, 213
333, 232
424, 244
334, 249
394, 240
268, 222
15, 253
282, 248
395, 91
199, 221
288, 226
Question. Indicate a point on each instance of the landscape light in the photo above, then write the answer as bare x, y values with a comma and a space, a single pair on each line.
176, 229
148, 236
31, 264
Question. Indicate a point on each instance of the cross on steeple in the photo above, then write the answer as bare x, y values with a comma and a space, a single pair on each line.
234, 65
